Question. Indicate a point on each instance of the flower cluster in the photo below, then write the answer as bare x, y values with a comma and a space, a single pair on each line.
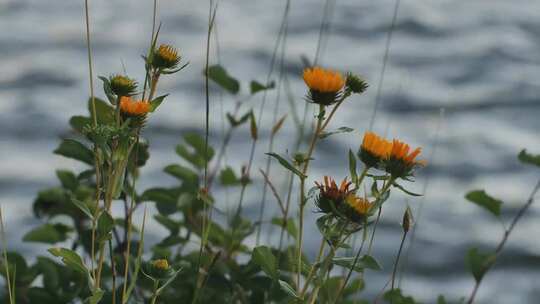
327, 87
341, 201
395, 157
130, 107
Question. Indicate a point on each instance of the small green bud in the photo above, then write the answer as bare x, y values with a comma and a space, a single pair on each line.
122, 85
356, 84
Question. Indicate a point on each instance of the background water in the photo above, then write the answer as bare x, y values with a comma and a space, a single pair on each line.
477, 59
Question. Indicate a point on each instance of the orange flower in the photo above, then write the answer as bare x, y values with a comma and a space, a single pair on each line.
402, 161
330, 194
360, 207
324, 81
374, 149
134, 108
400, 150
325, 85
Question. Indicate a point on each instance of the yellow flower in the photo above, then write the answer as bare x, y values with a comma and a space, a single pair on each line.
402, 161
325, 85
374, 149
134, 108
358, 207
330, 194
161, 264
166, 57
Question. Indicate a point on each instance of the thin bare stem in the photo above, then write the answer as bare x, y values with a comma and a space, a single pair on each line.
206, 213
385, 61
506, 235
97, 162
6, 263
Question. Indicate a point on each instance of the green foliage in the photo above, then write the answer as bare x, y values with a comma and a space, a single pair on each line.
219, 75
48, 233
263, 257
482, 199
73, 149
285, 163
529, 159
478, 262
256, 86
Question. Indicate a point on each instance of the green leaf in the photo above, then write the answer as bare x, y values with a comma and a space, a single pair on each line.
70, 258
253, 127
154, 104
67, 179
73, 149
237, 122
83, 207
227, 177
105, 225
481, 198
290, 227
365, 262
104, 112
352, 166
220, 76
79, 122
107, 90
48, 233
529, 159
395, 296
262, 256
479, 263
95, 297
256, 86
338, 131
400, 187
287, 165
288, 289
330, 289
183, 173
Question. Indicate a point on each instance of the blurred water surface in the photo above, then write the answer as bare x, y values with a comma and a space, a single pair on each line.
479, 60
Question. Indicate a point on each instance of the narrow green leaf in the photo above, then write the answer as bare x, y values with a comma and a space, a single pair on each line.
365, 262
288, 289
182, 173
287, 165
482, 199
352, 166
253, 127
400, 187
278, 125
338, 131
156, 102
256, 86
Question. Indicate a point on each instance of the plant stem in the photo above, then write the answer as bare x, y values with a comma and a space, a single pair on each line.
316, 133
356, 259
206, 217
6, 263
155, 294
506, 235
396, 263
